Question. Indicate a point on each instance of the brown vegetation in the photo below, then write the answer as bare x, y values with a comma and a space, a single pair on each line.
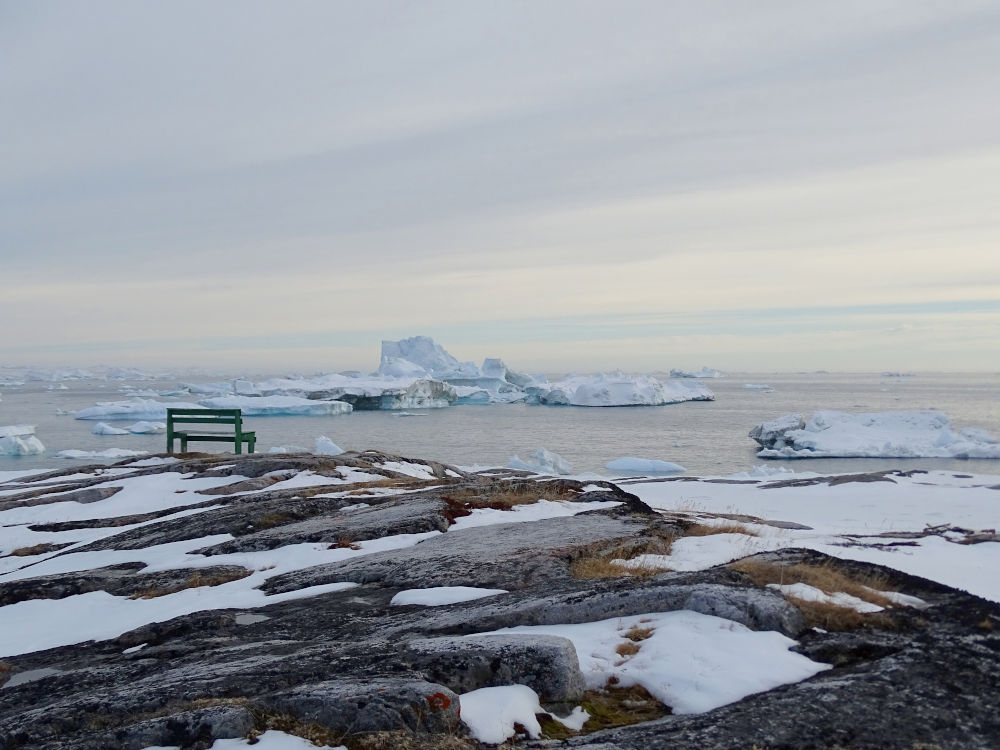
828, 579
600, 560
702, 529
195, 580
38, 549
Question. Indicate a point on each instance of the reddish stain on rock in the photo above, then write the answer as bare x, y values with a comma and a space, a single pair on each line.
438, 701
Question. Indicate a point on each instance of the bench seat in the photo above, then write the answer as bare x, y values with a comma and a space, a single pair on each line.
223, 417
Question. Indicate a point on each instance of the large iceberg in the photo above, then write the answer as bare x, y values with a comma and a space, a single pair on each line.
19, 440
429, 356
417, 373
367, 392
275, 406
899, 434
617, 389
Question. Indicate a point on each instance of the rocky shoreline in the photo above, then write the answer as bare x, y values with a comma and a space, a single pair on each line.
343, 665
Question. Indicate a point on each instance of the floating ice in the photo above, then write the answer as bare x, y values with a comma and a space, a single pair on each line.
148, 428
618, 389
426, 355
103, 428
326, 447
704, 372
271, 406
901, 434
542, 461
631, 465
19, 440
138, 408
367, 392
109, 453
757, 387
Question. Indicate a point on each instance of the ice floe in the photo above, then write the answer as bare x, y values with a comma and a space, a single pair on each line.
269, 406
542, 461
19, 440
632, 465
103, 428
326, 447
901, 434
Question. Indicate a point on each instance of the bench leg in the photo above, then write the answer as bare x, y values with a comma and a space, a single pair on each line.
251, 444
239, 444
184, 445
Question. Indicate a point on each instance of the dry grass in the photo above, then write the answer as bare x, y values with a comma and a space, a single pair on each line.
627, 648
196, 580
600, 560
501, 495
270, 520
828, 579
701, 529
345, 542
635, 633
38, 549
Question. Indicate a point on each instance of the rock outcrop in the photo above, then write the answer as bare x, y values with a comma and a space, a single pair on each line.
322, 651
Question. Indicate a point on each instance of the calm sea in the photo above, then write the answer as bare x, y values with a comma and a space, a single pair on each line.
708, 438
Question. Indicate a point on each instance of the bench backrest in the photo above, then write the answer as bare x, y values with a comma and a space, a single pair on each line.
204, 416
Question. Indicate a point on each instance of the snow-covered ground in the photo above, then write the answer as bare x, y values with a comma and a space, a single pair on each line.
692, 662
854, 520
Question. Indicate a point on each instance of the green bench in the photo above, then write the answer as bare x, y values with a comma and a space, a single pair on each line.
206, 418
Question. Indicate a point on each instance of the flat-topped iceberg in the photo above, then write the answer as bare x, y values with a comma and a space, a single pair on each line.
274, 406
900, 434
137, 408
19, 440
633, 465
618, 389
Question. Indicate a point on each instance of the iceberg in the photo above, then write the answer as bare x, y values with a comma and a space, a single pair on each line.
704, 372
54, 376
632, 465
19, 440
542, 461
137, 408
758, 387
617, 389
423, 352
367, 392
103, 428
900, 434
326, 447
274, 406
205, 389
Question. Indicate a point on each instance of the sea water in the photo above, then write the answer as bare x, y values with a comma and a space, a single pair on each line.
708, 438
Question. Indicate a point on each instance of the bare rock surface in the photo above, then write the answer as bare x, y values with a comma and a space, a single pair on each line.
347, 665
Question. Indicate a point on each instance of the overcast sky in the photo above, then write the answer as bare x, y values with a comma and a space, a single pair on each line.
767, 185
